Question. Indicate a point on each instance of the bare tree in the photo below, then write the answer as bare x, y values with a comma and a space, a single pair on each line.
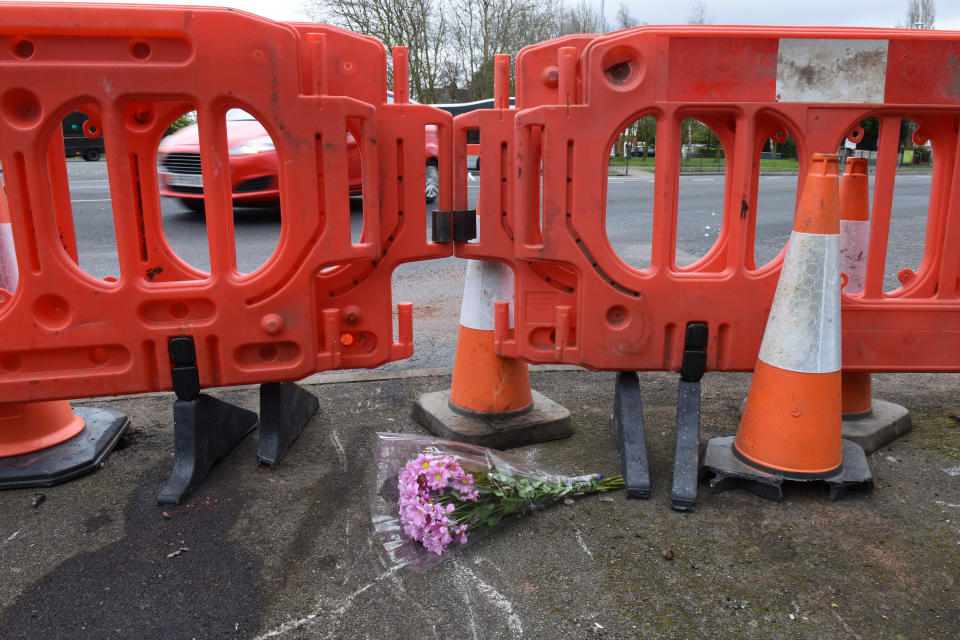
624, 19
482, 28
579, 18
417, 24
452, 42
921, 14
698, 13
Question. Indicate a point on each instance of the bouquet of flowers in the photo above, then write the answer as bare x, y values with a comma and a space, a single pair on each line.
434, 496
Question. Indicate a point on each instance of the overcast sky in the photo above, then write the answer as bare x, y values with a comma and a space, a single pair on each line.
854, 13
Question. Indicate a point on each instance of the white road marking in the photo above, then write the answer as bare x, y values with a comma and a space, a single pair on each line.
497, 598
344, 605
583, 544
341, 452
463, 585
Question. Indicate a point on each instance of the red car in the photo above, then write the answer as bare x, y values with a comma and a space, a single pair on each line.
253, 164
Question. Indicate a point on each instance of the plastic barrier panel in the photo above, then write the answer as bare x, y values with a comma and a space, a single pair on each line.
498, 177
321, 301
749, 84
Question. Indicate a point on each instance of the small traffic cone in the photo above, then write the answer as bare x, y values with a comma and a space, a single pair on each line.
490, 402
854, 224
46, 443
791, 423
869, 422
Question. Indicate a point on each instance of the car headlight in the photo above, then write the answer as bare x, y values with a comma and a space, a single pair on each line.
256, 145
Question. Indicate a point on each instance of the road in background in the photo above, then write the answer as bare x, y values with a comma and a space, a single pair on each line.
435, 287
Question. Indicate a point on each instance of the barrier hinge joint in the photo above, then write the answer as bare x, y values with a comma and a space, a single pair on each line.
457, 226
184, 372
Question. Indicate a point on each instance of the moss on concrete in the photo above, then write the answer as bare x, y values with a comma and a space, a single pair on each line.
937, 432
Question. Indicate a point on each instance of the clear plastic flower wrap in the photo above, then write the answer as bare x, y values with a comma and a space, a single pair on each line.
431, 497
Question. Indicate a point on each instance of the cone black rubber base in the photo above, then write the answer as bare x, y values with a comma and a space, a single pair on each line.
885, 423
205, 430
285, 409
730, 472
70, 459
546, 420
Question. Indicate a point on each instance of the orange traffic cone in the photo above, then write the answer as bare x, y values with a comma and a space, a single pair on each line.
791, 423
484, 382
28, 427
490, 402
30, 433
869, 422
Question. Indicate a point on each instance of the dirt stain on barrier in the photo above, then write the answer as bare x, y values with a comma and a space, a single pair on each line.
138, 587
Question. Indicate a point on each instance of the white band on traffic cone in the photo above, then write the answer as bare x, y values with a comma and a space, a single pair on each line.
487, 282
854, 240
8, 259
803, 332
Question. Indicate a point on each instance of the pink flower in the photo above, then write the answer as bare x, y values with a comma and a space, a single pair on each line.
429, 485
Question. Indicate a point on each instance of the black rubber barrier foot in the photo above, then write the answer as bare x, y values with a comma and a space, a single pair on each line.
627, 421
285, 409
730, 472
205, 430
70, 459
683, 495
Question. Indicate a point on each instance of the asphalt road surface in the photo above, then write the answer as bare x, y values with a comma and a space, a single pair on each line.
435, 287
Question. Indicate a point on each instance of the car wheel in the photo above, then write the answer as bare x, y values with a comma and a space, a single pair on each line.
91, 155
432, 189
194, 204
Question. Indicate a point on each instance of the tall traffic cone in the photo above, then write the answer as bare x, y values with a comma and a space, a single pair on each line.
791, 423
45, 443
869, 422
490, 402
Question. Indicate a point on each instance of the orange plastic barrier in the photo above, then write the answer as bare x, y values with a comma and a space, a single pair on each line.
578, 302
498, 178
320, 301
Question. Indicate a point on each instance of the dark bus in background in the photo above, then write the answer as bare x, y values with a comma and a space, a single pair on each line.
473, 135
75, 141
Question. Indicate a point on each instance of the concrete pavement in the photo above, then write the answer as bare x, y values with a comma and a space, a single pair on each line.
291, 553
